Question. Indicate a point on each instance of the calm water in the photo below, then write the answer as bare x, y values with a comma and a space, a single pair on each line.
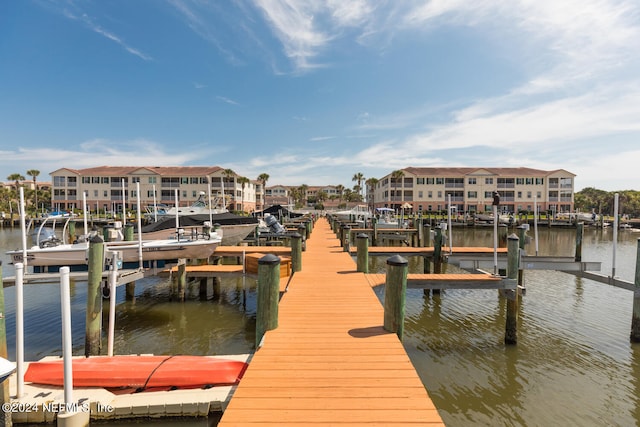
573, 364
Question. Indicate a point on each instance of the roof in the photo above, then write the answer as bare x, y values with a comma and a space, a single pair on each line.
157, 170
463, 171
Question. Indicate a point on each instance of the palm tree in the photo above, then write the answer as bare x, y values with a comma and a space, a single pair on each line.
229, 173
33, 173
340, 190
395, 176
243, 181
303, 193
371, 185
358, 177
17, 178
263, 178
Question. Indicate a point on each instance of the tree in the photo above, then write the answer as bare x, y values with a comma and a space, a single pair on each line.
243, 181
395, 176
33, 173
229, 173
358, 177
340, 191
371, 185
17, 178
263, 178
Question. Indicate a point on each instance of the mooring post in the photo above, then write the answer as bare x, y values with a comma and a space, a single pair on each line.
426, 234
347, 239
181, 278
72, 231
522, 230
362, 258
5, 394
374, 223
511, 327
579, 235
394, 294
93, 324
308, 229
437, 251
268, 295
128, 232
296, 252
635, 319
302, 231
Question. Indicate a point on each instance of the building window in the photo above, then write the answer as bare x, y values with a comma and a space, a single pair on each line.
472, 194
539, 181
420, 195
152, 180
471, 181
184, 193
431, 181
135, 179
529, 181
439, 180
59, 181
519, 194
520, 181
105, 193
528, 194
430, 194
419, 180
439, 194
488, 194
193, 193
204, 180
184, 180
86, 180
105, 180
488, 181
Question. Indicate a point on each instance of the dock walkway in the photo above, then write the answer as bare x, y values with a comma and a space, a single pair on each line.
330, 362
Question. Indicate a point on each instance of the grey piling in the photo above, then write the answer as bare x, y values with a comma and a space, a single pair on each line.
93, 324
128, 232
302, 230
268, 295
362, 258
394, 294
426, 234
296, 252
635, 319
511, 327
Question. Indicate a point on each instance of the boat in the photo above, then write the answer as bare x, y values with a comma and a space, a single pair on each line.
140, 372
152, 250
199, 207
385, 218
359, 214
6, 369
234, 227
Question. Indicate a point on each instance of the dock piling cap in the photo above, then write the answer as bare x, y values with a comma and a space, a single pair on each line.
397, 260
269, 259
363, 236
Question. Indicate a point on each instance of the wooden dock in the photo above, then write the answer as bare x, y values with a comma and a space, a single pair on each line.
329, 361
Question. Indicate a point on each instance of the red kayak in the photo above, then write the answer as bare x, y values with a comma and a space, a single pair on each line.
140, 372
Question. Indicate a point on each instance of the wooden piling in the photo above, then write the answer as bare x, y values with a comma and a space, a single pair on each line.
296, 252
5, 394
268, 295
426, 234
579, 235
346, 243
522, 238
394, 294
511, 327
635, 319
72, 231
181, 279
93, 324
130, 291
362, 258
128, 232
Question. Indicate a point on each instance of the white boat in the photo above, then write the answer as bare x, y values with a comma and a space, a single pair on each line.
385, 218
234, 228
152, 250
199, 207
6, 368
359, 214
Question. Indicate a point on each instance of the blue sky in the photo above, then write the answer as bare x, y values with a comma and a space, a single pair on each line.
312, 92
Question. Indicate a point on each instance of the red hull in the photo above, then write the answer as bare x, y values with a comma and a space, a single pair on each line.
140, 372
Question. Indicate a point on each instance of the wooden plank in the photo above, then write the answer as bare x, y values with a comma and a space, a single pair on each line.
330, 362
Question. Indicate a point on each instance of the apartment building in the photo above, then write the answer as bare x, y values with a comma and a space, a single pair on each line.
472, 189
107, 188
